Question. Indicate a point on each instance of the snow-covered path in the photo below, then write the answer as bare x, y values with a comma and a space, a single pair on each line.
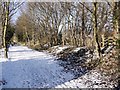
27, 68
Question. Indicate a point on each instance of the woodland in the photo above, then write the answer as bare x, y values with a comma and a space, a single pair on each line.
43, 26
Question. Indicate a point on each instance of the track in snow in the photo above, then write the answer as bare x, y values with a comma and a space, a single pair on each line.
27, 68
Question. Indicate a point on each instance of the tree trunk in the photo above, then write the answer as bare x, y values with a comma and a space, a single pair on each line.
116, 19
83, 27
96, 38
5, 29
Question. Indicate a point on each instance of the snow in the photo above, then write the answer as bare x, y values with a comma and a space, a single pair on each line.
0, 74
58, 49
77, 49
92, 79
27, 68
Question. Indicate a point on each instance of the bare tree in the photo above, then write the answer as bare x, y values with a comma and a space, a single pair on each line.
9, 9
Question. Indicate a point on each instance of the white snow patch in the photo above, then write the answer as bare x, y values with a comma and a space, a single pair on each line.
77, 49
27, 68
92, 79
58, 49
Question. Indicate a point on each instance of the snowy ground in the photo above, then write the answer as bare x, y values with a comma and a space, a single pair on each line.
27, 68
